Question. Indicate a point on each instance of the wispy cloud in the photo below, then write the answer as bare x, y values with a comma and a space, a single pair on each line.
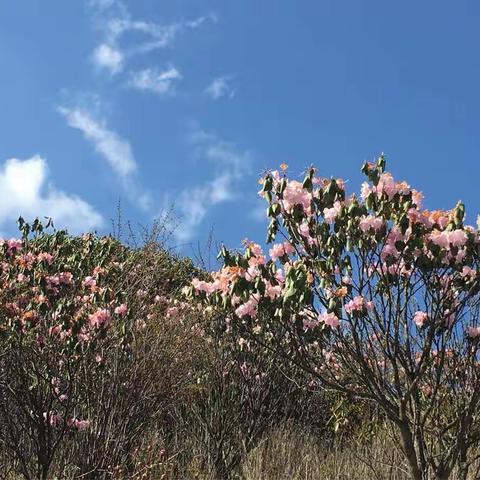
115, 150
25, 191
221, 87
101, 4
230, 165
114, 52
107, 57
153, 80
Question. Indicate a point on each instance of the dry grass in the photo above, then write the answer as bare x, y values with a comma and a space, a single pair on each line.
291, 453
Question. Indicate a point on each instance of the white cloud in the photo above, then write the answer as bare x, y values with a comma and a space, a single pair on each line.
24, 191
230, 167
220, 87
116, 151
101, 4
112, 55
160, 82
105, 56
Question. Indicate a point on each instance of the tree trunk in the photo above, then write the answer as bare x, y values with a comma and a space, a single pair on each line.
411, 455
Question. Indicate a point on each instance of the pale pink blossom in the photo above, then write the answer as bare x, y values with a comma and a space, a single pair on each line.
281, 249
365, 190
52, 418
90, 282
14, 244
273, 291
295, 194
121, 309
329, 319
420, 318
358, 305
473, 332
331, 214
202, 286
456, 238
101, 318
370, 222
247, 309
45, 256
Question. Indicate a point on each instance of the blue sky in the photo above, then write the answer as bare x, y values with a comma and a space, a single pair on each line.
159, 103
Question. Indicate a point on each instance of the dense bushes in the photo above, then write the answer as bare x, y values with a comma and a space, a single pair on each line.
106, 371
358, 333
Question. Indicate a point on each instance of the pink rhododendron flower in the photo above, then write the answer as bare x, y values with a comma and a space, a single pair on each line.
370, 222
420, 318
456, 238
53, 419
90, 282
78, 424
468, 272
331, 214
202, 286
101, 318
473, 332
273, 291
329, 319
247, 309
358, 305
121, 309
295, 194
45, 257
365, 190
281, 249
252, 273
172, 312
14, 244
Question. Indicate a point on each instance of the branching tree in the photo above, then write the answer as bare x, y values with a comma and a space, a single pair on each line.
374, 296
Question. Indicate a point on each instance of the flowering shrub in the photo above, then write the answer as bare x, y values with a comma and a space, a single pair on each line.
374, 296
59, 309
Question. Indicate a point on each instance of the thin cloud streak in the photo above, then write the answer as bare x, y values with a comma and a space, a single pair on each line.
230, 166
116, 151
153, 80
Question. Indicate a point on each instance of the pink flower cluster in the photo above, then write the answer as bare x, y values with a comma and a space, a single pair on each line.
329, 319
387, 186
62, 278
55, 420
281, 249
45, 257
358, 305
370, 223
331, 214
420, 318
390, 250
429, 219
202, 286
121, 309
295, 194
13, 245
101, 318
248, 309
77, 424
473, 332
445, 239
